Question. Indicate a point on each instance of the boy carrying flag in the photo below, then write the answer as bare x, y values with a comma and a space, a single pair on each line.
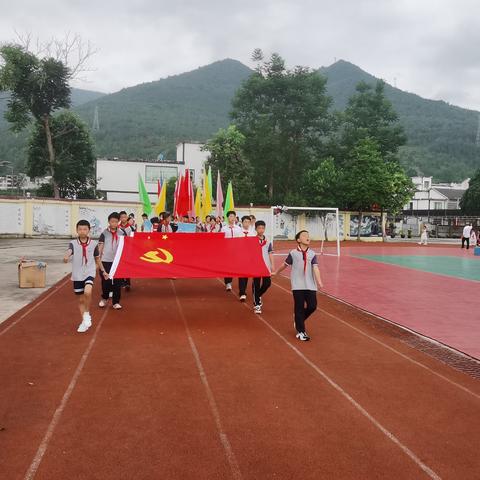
231, 230
127, 230
261, 284
305, 276
243, 282
107, 247
85, 261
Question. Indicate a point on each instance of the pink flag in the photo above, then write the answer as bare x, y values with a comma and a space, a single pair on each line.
219, 196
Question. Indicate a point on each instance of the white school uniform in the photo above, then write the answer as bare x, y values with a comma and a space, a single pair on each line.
233, 231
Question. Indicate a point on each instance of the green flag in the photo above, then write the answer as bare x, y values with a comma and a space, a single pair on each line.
229, 203
144, 199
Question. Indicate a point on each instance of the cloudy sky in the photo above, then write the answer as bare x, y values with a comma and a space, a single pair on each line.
431, 47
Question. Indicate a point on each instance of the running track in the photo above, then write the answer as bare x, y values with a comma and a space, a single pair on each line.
186, 383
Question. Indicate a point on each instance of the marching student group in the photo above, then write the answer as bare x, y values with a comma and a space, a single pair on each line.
87, 256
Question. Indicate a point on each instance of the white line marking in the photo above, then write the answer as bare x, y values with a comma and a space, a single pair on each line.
348, 397
46, 297
232, 461
58, 412
388, 347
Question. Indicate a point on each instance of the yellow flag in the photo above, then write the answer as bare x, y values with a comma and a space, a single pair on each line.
207, 196
162, 199
198, 203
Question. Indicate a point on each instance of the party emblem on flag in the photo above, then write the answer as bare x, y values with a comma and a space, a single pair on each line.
153, 256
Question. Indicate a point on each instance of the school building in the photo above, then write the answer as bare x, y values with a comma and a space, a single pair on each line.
118, 177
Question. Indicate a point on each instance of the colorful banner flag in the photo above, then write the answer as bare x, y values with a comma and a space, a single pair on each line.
162, 200
198, 202
229, 203
210, 184
206, 197
219, 196
144, 198
188, 255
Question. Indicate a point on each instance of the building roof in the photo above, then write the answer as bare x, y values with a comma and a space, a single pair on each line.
451, 193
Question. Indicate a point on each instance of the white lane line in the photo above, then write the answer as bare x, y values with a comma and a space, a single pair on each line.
232, 460
391, 349
30, 310
31, 472
356, 405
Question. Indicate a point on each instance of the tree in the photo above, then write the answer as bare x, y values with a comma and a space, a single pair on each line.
470, 202
370, 115
38, 84
322, 185
226, 156
74, 169
366, 180
283, 114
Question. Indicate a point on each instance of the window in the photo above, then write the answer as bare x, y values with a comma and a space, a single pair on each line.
426, 184
153, 173
411, 205
437, 205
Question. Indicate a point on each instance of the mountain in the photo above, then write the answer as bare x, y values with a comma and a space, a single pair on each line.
148, 119
441, 137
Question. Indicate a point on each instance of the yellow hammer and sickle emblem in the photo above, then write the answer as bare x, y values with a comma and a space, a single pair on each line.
153, 256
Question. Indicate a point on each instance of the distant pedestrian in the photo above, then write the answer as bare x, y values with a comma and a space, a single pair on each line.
467, 230
424, 236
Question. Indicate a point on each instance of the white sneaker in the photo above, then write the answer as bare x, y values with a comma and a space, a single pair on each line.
102, 303
257, 309
82, 328
228, 287
302, 337
117, 306
87, 319
243, 298
110, 295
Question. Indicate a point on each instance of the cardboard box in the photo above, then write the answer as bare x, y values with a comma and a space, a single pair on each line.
32, 274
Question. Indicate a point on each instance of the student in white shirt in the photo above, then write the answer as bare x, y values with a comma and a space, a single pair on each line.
243, 282
424, 236
467, 230
231, 230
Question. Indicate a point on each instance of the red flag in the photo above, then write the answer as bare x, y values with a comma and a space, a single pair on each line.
159, 188
184, 195
188, 255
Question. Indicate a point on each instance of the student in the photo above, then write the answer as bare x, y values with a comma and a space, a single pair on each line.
213, 226
154, 221
231, 230
146, 224
164, 225
243, 282
467, 230
261, 284
253, 221
304, 277
132, 223
424, 236
125, 227
85, 261
107, 247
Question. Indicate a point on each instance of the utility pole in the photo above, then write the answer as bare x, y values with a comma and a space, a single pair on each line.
96, 123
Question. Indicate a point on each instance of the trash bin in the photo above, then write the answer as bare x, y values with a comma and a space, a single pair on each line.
32, 274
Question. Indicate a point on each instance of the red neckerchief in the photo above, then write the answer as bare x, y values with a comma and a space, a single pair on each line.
304, 255
114, 235
246, 233
231, 230
262, 241
84, 249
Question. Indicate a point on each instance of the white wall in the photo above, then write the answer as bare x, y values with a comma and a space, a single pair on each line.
191, 155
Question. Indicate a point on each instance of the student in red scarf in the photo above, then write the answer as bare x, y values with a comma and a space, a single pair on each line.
85, 261
165, 223
231, 230
305, 279
107, 245
243, 282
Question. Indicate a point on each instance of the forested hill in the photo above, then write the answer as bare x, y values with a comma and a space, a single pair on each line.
148, 119
441, 137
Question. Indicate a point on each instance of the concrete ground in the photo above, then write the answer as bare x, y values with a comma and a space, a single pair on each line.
50, 251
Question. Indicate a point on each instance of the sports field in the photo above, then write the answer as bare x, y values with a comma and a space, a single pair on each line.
187, 383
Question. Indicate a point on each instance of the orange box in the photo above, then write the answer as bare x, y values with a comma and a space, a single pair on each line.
32, 274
